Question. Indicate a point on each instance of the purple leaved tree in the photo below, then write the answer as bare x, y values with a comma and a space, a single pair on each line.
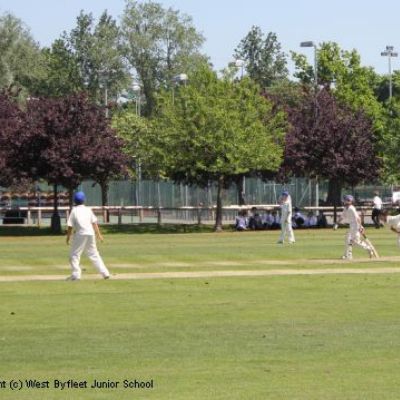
12, 120
329, 141
62, 143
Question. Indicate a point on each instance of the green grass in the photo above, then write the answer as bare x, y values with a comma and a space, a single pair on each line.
128, 252
282, 337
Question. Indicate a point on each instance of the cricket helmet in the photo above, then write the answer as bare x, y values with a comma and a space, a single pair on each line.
285, 193
348, 197
79, 198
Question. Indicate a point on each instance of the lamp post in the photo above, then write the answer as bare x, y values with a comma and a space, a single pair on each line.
241, 183
389, 53
103, 80
238, 63
177, 80
137, 90
310, 43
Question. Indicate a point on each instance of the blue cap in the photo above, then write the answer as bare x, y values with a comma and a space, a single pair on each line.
348, 197
285, 193
79, 197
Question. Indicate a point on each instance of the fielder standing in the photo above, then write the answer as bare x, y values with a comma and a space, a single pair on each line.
353, 236
393, 222
285, 202
84, 223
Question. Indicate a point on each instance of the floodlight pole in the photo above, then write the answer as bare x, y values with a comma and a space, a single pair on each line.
389, 53
310, 43
137, 90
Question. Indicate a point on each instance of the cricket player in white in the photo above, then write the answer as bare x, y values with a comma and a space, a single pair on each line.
393, 222
84, 223
353, 236
286, 218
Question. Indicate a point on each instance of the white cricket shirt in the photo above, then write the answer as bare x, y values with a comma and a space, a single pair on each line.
377, 203
350, 215
286, 207
81, 219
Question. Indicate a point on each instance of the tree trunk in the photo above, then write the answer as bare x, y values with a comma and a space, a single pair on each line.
334, 195
55, 218
104, 201
240, 191
218, 217
70, 198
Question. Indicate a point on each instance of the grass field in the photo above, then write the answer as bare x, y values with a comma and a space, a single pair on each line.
274, 337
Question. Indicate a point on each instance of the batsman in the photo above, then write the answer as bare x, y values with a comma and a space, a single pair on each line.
353, 236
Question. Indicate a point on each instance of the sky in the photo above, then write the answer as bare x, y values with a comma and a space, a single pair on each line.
365, 25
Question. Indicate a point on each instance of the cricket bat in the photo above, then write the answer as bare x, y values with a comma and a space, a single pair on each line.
374, 252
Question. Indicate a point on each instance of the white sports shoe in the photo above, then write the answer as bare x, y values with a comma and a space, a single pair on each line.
371, 253
72, 278
347, 257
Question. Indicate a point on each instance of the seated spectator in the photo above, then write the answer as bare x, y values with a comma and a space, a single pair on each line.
276, 221
267, 220
298, 218
255, 221
321, 220
241, 221
311, 220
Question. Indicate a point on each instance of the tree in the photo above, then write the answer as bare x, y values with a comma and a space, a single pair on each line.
265, 62
353, 84
216, 129
143, 143
391, 154
329, 140
97, 50
159, 44
20, 58
61, 72
64, 141
11, 122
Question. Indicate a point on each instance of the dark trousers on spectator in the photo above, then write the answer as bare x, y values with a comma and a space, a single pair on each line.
375, 217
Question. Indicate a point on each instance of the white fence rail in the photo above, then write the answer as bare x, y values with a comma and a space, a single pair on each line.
41, 216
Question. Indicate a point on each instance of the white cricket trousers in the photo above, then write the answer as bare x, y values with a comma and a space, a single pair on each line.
354, 237
286, 229
85, 243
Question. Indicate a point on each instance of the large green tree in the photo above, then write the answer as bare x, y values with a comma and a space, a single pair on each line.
61, 75
214, 130
21, 63
97, 50
159, 44
264, 60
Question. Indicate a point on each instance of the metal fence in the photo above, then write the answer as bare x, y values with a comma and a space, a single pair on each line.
167, 194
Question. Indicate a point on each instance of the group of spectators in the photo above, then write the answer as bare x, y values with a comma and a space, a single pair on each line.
270, 219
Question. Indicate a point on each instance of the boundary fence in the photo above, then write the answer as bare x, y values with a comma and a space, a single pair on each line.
41, 216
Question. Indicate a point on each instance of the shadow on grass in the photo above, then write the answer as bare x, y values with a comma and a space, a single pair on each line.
115, 229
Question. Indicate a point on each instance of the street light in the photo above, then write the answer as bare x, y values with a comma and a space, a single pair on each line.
310, 43
178, 79
137, 90
389, 53
239, 63
104, 75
